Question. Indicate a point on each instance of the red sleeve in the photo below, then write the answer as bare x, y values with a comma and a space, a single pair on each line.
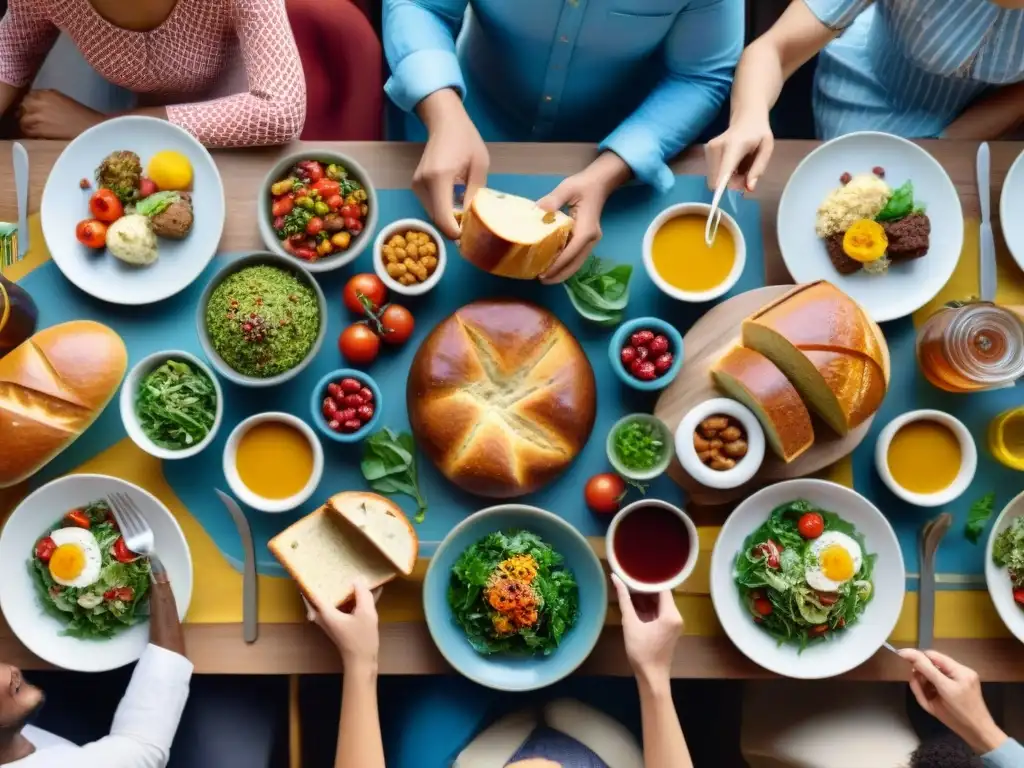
26, 36
274, 108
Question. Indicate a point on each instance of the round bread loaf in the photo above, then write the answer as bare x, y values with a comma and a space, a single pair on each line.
501, 397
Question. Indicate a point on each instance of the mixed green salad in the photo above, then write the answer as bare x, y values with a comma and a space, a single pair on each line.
510, 592
804, 575
86, 576
1008, 553
176, 405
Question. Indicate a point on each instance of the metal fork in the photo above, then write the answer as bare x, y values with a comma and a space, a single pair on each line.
138, 536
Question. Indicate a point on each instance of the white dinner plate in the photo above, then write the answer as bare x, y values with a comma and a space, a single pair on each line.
1011, 210
908, 285
845, 650
65, 204
41, 632
999, 586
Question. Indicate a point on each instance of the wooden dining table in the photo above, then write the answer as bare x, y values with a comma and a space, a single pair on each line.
406, 647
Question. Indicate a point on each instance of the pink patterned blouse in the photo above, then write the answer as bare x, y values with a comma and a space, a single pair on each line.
185, 57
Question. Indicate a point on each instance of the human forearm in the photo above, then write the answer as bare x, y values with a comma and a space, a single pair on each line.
359, 740
419, 44
664, 743
440, 107
990, 118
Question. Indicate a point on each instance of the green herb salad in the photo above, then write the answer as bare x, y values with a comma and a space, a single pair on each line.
511, 593
176, 405
639, 445
1008, 553
804, 575
86, 576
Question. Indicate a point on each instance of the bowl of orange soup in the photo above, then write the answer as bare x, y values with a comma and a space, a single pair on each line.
273, 462
926, 457
682, 265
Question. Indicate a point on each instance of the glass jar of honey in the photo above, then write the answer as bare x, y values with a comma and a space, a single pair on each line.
18, 315
1006, 438
970, 347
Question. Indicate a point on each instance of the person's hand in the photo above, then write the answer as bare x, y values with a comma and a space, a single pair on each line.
454, 154
651, 626
584, 194
355, 634
951, 693
52, 115
741, 153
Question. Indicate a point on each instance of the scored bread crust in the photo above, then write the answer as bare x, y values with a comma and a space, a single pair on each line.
501, 397
346, 505
52, 388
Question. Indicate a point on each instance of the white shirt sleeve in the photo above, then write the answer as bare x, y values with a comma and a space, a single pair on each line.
144, 724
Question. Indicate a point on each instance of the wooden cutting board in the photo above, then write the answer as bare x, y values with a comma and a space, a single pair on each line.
710, 338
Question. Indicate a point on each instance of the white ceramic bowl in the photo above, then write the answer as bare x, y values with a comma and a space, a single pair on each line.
400, 227
848, 649
241, 490
745, 468
999, 586
700, 209
130, 389
40, 631
641, 586
634, 474
968, 458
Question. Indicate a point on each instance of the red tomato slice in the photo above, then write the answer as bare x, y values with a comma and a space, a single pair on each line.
45, 548
77, 518
121, 552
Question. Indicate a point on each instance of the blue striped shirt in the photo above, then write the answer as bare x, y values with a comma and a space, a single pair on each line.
910, 67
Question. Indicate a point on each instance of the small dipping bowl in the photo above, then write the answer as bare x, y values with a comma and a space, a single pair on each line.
696, 209
241, 490
745, 468
320, 392
633, 474
130, 391
400, 227
689, 562
658, 326
968, 458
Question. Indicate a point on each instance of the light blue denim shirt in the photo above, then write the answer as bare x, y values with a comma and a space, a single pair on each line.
642, 77
1009, 754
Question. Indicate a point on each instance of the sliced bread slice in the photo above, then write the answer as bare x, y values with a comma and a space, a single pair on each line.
382, 522
325, 555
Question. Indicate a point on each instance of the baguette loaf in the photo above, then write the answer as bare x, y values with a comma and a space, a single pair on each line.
52, 388
511, 236
383, 523
325, 555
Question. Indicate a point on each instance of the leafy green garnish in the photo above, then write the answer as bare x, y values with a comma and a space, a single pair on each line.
554, 586
389, 466
900, 204
600, 290
977, 516
295, 222
1008, 551
156, 203
176, 405
639, 445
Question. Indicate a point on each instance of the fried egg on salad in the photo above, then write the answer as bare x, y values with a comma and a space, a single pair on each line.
833, 560
77, 560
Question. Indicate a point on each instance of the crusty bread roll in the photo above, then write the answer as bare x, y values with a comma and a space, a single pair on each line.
501, 397
828, 348
52, 388
511, 236
325, 555
383, 523
755, 381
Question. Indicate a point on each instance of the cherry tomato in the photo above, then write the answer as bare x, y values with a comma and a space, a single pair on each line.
124, 594
359, 344
312, 170
367, 284
326, 187
604, 493
334, 202
763, 606
811, 525
105, 206
306, 254
398, 324
121, 552
349, 211
817, 630
1018, 595
355, 227
77, 518
314, 225
827, 598
770, 550
282, 206
92, 233
45, 548
147, 187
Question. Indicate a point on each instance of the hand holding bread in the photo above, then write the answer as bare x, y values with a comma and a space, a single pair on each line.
356, 634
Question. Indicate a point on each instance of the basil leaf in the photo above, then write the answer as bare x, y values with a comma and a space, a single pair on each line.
978, 516
600, 290
389, 466
156, 203
900, 204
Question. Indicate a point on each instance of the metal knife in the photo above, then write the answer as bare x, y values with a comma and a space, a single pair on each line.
930, 538
250, 607
987, 249
21, 189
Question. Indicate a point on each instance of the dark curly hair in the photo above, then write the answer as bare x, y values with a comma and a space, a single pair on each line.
947, 751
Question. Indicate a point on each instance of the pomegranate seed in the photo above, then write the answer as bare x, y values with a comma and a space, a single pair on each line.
350, 386
333, 389
658, 345
628, 355
635, 366
645, 371
367, 394
641, 338
879, 171
334, 424
329, 408
845, 179
353, 401
642, 353
365, 413
352, 425
663, 363
347, 414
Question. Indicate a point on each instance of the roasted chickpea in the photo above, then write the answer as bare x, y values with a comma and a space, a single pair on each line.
429, 262
420, 271
407, 279
722, 463
730, 433
429, 249
412, 250
396, 270
398, 241
737, 449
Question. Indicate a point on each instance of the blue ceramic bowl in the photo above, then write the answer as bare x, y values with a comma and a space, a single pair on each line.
316, 402
508, 672
620, 339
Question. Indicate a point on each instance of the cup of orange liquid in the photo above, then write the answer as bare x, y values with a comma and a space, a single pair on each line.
1006, 438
